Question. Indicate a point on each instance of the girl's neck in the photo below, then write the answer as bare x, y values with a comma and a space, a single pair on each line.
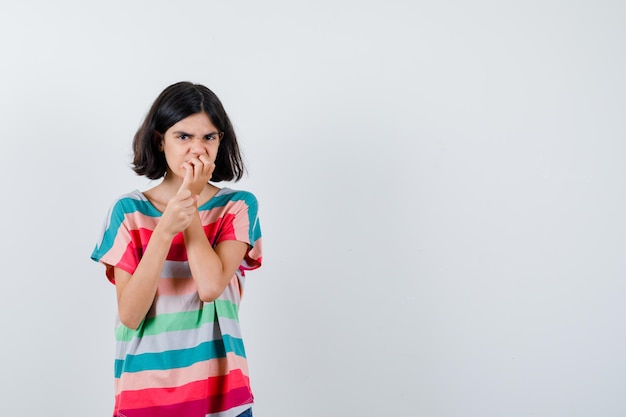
160, 194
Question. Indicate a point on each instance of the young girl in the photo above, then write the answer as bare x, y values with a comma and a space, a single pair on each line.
177, 254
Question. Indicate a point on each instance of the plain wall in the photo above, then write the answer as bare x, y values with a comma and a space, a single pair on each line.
441, 189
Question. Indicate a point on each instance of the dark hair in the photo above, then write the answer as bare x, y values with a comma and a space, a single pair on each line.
176, 102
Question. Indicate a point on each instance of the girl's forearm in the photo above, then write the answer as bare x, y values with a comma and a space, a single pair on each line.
137, 296
206, 266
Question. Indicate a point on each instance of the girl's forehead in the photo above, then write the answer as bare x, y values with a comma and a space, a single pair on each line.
197, 121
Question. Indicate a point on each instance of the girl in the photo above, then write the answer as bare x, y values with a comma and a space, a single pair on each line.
177, 254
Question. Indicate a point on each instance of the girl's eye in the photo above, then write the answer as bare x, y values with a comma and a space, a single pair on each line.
183, 137
210, 137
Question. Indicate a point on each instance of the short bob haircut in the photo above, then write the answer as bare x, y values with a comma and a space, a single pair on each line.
176, 102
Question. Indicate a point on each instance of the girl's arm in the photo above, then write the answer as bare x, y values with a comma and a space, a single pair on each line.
212, 269
136, 292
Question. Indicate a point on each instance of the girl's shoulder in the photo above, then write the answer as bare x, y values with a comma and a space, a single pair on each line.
135, 195
132, 201
129, 198
229, 194
238, 202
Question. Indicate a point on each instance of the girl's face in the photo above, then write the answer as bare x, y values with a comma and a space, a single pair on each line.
189, 138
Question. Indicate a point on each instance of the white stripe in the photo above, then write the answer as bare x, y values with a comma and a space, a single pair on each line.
176, 269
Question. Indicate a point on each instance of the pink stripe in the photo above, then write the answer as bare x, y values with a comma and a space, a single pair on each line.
146, 222
177, 286
181, 376
120, 245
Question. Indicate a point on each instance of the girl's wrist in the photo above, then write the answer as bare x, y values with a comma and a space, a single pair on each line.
162, 235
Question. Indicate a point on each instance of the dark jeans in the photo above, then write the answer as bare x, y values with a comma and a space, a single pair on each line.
247, 413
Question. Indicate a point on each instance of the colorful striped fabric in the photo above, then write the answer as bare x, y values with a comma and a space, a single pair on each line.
187, 358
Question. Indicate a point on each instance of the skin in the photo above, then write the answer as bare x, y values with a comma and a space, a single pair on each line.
190, 153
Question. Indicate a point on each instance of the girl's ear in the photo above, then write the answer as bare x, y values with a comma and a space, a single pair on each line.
159, 138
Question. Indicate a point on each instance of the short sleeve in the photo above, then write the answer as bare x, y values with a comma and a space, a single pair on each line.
241, 222
118, 245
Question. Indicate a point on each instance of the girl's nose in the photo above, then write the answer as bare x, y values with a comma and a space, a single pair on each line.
197, 147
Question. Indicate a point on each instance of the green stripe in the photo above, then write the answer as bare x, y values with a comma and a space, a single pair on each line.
186, 320
227, 309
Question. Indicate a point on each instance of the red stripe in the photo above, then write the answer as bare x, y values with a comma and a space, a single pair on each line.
227, 229
156, 397
196, 408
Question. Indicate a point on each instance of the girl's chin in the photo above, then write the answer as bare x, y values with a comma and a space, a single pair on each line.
173, 174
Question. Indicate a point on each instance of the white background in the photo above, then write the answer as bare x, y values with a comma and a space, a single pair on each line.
441, 187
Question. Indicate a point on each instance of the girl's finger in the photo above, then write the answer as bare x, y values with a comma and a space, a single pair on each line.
188, 178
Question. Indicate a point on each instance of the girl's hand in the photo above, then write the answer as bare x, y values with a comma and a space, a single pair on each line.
181, 208
201, 169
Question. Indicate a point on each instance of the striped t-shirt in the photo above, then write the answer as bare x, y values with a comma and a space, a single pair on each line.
187, 357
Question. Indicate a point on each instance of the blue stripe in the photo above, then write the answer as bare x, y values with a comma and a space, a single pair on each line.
180, 358
233, 196
125, 205
130, 203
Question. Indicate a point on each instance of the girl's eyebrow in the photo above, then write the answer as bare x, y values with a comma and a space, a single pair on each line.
180, 132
